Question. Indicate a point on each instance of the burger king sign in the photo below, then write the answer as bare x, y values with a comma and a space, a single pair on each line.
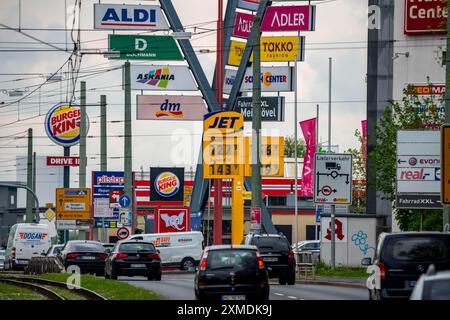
62, 124
167, 184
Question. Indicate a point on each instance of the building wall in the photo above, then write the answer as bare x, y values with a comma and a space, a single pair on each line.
289, 219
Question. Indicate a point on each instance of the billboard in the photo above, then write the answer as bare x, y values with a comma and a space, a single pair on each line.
166, 184
273, 79
272, 108
129, 17
159, 77
425, 17
172, 220
243, 25
169, 107
141, 47
289, 18
272, 156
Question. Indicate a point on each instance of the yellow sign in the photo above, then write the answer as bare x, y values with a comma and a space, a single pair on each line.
247, 195
445, 164
273, 49
187, 195
73, 203
223, 145
272, 156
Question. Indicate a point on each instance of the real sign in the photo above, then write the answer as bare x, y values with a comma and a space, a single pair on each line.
273, 79
140, 47
289, 18
170, 107
333, 178
272, 108
425, 17
129, 17
158, 77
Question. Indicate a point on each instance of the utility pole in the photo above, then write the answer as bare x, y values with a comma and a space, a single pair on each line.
30, 200
329, 103
127, 144
446, 213
82, 167
103, 150
333, 208
34, 172
256, 203
295, 153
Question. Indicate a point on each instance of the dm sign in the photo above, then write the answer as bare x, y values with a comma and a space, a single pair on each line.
62, 124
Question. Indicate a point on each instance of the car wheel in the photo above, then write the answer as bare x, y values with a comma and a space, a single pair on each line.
282, 280
291, 279
150, 277
113, 274
187, 264
158, 277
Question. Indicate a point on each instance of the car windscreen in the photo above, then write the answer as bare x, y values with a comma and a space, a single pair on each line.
270, 244
85, 247
136, 247
421, 249
232, 260
436, 290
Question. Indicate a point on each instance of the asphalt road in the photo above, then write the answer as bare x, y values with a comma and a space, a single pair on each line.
181, 287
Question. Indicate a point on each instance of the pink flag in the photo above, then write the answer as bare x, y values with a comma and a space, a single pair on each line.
364, 137
309, 132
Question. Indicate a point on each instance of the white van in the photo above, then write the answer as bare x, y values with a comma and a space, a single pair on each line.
180, 249
26, 240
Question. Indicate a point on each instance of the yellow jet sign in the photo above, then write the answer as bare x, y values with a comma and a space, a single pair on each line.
273, 49
73, 203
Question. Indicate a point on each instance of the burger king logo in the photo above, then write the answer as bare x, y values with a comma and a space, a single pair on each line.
62, 124
167, 184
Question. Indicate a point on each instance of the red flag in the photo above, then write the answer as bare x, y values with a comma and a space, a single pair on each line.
309, 132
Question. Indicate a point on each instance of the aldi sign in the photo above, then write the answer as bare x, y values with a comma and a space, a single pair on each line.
425, 17
128, 17
170, 107
140, 47
289, 18
158, 77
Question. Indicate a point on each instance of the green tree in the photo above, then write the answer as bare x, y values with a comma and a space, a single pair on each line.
289, 147
359, 175
412, 112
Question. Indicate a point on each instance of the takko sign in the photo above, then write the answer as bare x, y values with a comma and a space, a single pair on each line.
63, 161
289, 18
425, 17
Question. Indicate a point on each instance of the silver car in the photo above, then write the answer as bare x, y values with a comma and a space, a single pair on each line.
432, 286
2, 259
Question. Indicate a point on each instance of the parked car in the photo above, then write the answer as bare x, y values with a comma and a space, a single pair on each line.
432, 286
133, 258
88, 255
2, 259
232, 272
402, 257
277, 255
108, 247
26, 240
177, 249
54, 250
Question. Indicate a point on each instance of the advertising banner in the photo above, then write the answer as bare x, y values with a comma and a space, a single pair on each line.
425, 17
430, 98
141, 47
170, 107
243, 25
167, 184
158, 77
172, 220
289, 18
273, 79
272, 108
129, 17
309, 133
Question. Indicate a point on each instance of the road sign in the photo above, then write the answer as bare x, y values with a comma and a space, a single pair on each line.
125, 217
318, 216
71, 225
445, 164
272, 156
73, 203
419, 201
123, 233
124, 201
140, 47
49, 214
333, 178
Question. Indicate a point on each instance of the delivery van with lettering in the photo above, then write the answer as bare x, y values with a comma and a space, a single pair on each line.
178, 249
26, 240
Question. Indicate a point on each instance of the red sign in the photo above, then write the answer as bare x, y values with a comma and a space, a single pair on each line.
422, 17
172, 220
63, 161
255, 215
426, 89
114, 196
123, 233
243, 25
289, 18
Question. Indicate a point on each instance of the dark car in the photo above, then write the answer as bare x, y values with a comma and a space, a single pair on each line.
89, 256
231, 272
133, 258
277, 255
403, 257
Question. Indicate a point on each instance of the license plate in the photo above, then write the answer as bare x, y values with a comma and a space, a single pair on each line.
233, 297
138, 265
87, 257
270, 259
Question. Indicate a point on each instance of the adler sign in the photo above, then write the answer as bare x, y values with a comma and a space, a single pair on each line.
425, 17
289, 18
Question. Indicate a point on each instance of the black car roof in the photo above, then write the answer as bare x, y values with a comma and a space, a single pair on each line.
415, 234
231, 246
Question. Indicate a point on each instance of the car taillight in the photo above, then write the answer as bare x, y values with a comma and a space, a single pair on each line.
120, 255
290, 256
260, 263
103, 256
72, 255
382, 270
153, 256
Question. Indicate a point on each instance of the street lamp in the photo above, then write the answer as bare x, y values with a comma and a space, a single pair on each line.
181, 35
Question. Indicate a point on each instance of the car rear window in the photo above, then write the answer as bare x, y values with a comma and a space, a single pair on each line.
86, 247
436, 290
135, 247
271, 243
421, 249
231, 259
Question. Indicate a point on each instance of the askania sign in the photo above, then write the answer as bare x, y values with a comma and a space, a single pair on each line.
129, 17
243, 25
170, 107
62, 124
154, 77
273, 79
289, 18
272, 108
425, 17
249, 4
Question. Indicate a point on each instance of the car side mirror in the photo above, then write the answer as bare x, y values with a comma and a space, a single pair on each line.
158, 251
366, 261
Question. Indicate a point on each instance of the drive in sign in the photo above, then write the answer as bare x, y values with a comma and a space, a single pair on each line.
158, 77
140, 47
289, 18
